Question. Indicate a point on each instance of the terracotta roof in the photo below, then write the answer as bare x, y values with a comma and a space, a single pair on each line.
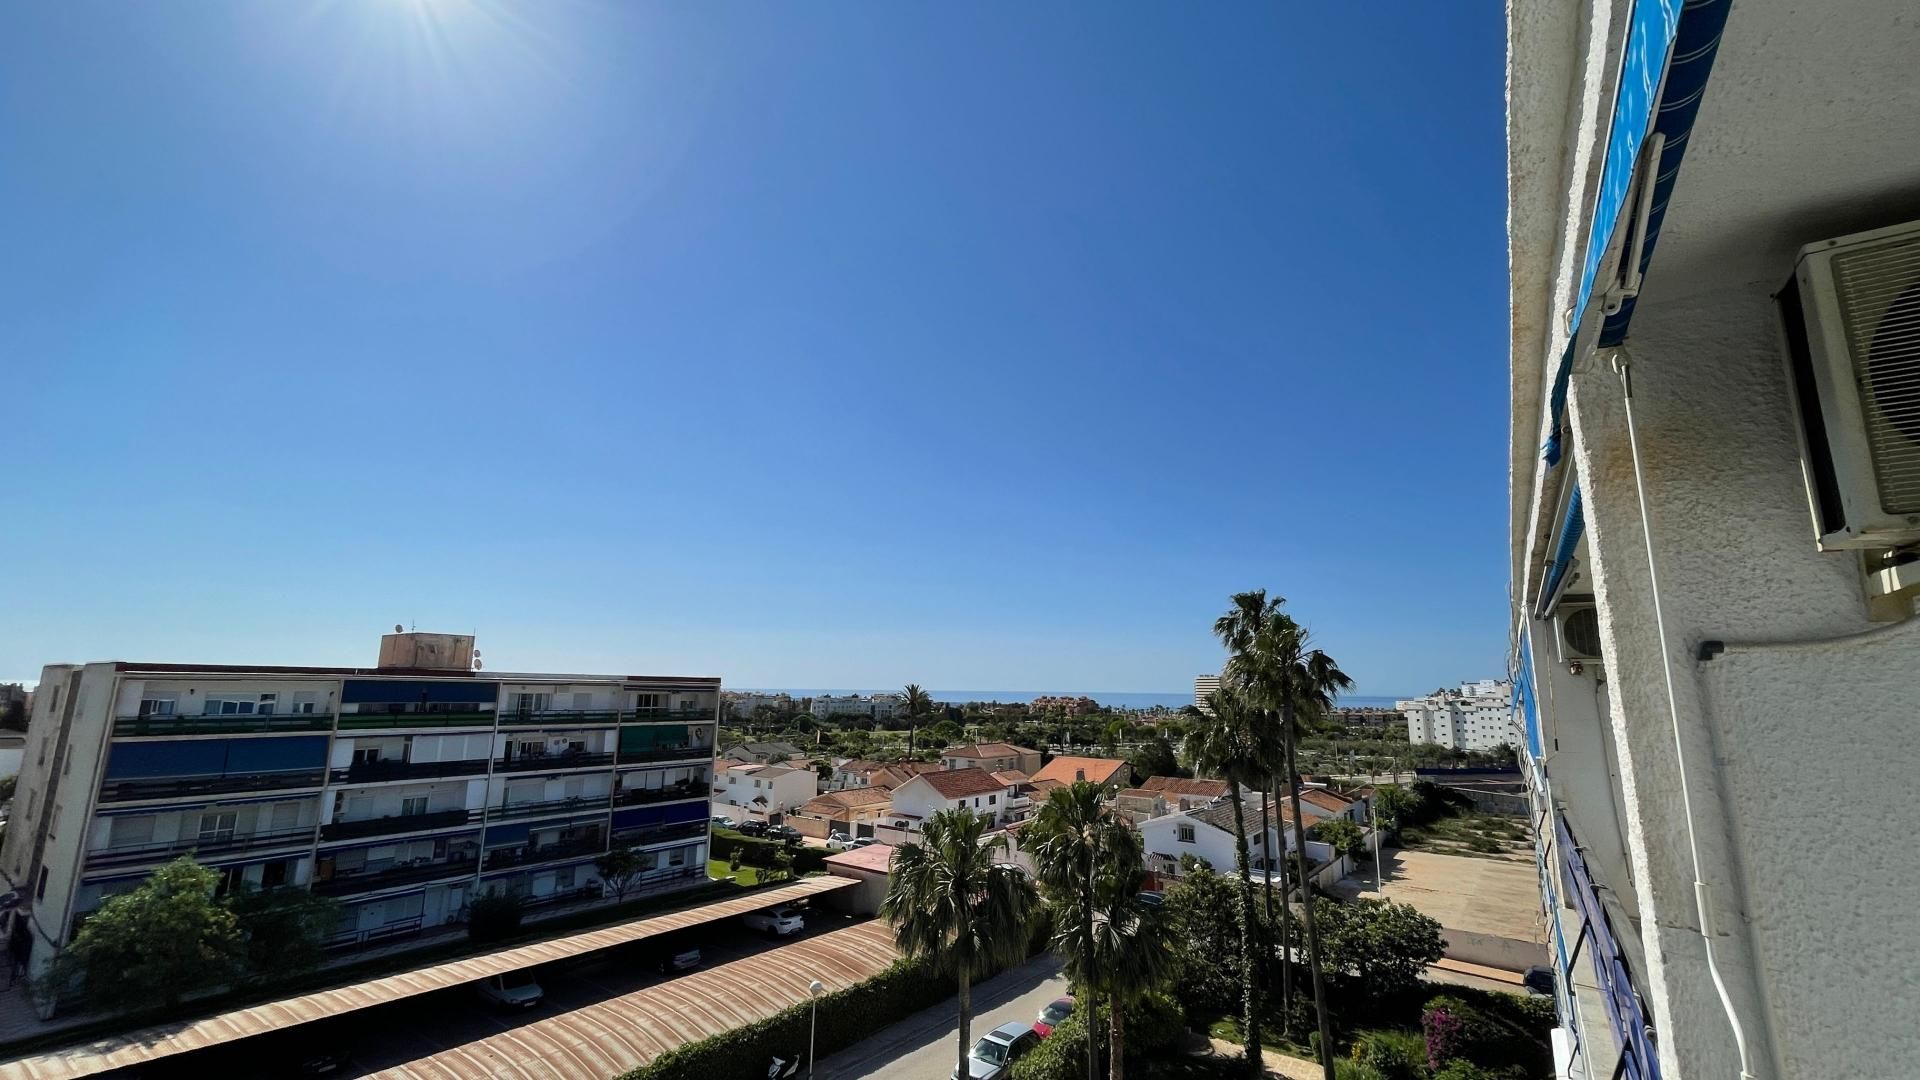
1011, 777
851, 798
1176, 785
958, 783
872, 857
1137, 793
1325, 799
986, 750
1044, 784
1067, 769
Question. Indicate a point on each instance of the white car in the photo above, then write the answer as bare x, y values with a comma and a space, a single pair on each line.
780, 922
839, 842
514, 990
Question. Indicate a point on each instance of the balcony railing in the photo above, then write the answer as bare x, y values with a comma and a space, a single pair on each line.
357, 721
552, 762
660, 834
581, 805
167, 787
667, 753
701, 715
1638, 1060
641, 796
209, 848
368, 772
397, 874
185, 724
501, 858
559, 718
398, 823
356, 939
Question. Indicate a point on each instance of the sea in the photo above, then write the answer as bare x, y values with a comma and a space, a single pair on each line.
1110, 698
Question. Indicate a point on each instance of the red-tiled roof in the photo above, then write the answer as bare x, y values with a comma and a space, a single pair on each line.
986, 750
1176, 785
872, 857
958, 783
1068, 769
1325, 799
1011, 777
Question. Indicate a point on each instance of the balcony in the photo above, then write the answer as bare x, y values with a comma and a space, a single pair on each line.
667, 753
660, 834
702, 715
502, 858
250, 723
362, 721
553, 762
1613, 977
131, 789
396, 874
692, 789
208, 848
357, 939
370, 772
560, 718
581, 805
398, 823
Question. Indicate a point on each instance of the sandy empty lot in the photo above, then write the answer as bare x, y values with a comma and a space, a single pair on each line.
1485, 896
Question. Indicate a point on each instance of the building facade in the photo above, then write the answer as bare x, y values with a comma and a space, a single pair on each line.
1477, 716
1204, 687
993, 757
400, 792
765, 789
1713, 512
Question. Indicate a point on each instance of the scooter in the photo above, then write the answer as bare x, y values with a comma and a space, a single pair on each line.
784, 1068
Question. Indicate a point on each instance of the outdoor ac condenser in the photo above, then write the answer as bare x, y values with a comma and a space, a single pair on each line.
1851, 318
1578, 623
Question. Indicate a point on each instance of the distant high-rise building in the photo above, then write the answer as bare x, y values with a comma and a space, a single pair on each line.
1203, 688
1478, 716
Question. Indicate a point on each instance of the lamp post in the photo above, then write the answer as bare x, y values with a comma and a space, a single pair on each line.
814, 990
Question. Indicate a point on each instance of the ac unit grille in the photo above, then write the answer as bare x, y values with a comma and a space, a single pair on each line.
1581, 632
1879, 291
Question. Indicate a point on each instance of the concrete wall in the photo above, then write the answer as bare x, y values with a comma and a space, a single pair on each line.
1507, 954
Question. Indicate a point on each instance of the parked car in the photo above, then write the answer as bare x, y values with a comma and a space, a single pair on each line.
680, 960
993, 1056
1538, 979
865, 841
721, 821
780, 921
751, 828
784, 832
839, 842
1052, 1016
514, 990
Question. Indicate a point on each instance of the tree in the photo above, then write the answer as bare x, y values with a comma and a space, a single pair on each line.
783, 863
1380, 947
1276, 665
1233, 744
1121, 955
156, 944
1343, 836
1201, 919
1394, 806
618, 869
284, 931
952, 904
494, 915
1155, 757
1082, 854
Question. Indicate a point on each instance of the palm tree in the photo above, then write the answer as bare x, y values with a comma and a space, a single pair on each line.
953, 905
1282, 670
1121, 952
1238, 629
1079, 851
918, 704
1234, 744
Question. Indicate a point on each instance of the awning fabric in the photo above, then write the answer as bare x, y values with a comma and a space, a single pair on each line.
1664, 39
1571, 528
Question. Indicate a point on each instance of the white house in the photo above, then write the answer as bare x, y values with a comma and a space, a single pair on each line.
993, 757
1207, 833
949, 789
1714, 265
765, 789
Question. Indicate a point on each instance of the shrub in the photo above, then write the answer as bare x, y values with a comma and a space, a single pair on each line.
1395, 1055
493, 916
1156, 1023
1485, 845
1344, 1069
1501, 1032
1061, 1055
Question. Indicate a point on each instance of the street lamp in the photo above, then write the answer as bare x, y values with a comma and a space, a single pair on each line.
814, 990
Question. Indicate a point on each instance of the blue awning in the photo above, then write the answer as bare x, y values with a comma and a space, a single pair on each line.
1571, 527
1664, 40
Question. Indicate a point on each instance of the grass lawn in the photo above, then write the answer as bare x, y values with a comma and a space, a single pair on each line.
718, 870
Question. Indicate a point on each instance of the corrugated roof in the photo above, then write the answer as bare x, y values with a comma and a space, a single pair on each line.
149, 1044
624, 1033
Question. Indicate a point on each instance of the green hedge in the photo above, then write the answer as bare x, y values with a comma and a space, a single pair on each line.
846, 1017
758, 851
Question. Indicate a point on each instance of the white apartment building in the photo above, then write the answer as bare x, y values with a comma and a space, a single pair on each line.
402, 790
1715, 277
1477, 716
765, 789
1204, 687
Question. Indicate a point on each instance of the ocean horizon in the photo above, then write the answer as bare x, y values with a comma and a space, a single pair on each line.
1121, 699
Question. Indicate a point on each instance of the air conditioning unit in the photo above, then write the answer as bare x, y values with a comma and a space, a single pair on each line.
1851, 318
1577, 623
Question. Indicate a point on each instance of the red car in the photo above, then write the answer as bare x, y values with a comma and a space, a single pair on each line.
1056, 1011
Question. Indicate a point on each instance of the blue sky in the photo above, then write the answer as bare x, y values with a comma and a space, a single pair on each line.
807, 345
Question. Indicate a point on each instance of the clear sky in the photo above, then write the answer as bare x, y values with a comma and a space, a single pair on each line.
803, 344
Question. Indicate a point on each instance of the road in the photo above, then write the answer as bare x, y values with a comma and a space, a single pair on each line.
922, 1047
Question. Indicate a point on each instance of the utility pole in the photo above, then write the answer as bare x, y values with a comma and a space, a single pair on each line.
1373, 812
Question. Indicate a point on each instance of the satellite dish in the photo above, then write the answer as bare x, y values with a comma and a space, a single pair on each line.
399, 628
476, 663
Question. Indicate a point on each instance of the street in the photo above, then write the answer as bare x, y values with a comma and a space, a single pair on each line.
922, 1047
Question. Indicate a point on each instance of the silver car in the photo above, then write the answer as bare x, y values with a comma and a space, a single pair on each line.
993, 1056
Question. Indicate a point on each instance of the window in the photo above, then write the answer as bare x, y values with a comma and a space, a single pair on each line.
156, 706
1186, 834
677, 857
582, 702
993, 800
132, 831
304, 701
267, 703
217, 827
413, 806
563, 877
228, 707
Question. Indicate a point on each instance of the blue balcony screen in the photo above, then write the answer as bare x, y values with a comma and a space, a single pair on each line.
399, 692
215, 757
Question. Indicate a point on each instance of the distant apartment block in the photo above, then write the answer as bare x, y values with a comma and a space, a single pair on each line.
401, 791
1072, 706
875, 707
1204, 687
1477, 716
